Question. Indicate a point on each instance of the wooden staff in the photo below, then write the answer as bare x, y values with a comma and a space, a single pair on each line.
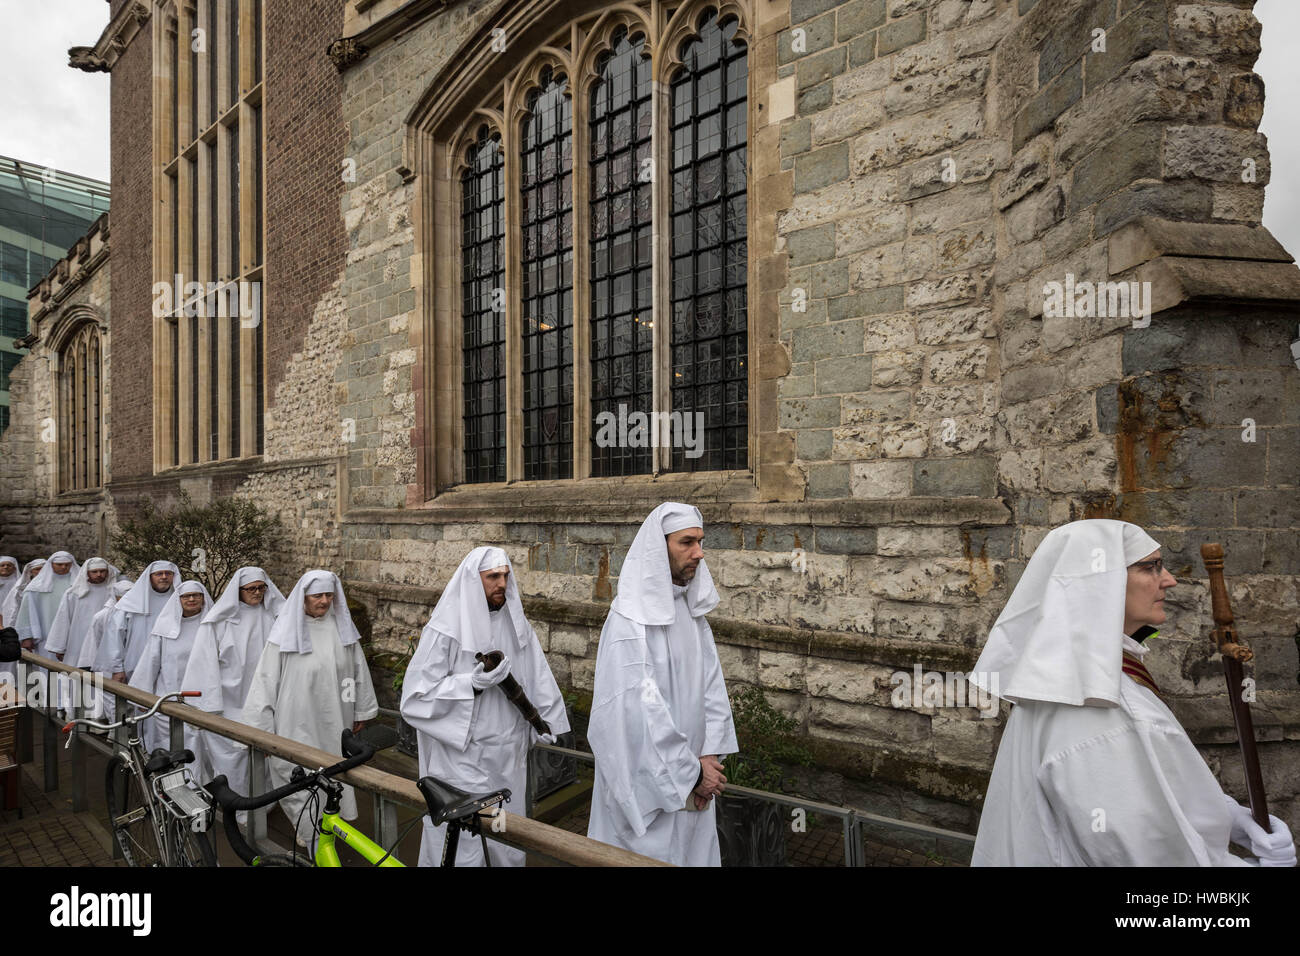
514, 693
1234, 655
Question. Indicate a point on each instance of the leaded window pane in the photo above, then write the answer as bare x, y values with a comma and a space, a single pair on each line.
622, 318
708, 243
483, 309
546, 277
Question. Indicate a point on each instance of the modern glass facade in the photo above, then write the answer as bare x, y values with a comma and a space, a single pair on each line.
43, 212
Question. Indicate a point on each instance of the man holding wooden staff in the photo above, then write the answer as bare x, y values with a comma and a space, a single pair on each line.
1093, 768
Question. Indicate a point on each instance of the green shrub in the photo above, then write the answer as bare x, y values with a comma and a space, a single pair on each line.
768, 743
208, 543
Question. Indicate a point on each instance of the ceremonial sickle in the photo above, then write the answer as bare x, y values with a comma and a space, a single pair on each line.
1234, 655
514, 693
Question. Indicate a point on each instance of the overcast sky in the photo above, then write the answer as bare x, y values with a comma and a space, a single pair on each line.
58, 116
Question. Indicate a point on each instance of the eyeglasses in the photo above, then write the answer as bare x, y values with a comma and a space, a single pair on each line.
254, 588
1155, 566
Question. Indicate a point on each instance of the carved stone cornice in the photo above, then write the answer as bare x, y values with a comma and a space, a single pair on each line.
345, 52
112, 43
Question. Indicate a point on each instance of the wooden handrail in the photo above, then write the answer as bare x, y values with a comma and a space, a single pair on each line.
554, 844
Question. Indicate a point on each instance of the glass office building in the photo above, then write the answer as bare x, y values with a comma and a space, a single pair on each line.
43, 212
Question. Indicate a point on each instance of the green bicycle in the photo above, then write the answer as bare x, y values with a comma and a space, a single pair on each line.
445, 803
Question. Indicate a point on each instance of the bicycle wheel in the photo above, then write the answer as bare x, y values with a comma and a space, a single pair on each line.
191, 849
130, 815
285, 859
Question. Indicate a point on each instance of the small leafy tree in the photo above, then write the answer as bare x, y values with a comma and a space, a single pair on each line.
768, 743
208, 543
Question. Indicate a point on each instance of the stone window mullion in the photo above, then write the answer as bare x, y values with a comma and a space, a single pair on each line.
581, 281
513, 314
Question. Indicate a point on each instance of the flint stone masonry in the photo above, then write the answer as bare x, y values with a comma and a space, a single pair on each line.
920, 171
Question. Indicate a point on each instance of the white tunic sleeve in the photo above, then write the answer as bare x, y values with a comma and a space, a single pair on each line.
647, 762
719, 729
437, 699
367, 704
203, 670
1118, 799
57, 642
147, 669
264, 691
543, 690
112, 647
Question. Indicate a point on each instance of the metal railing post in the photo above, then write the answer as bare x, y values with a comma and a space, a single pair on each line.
175, 733
256, 786
77, 750
385, 821
50, 738
529, 797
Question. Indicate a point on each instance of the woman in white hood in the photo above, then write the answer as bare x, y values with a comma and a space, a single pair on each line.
166, 653
225, 658
1093, 769
311, 683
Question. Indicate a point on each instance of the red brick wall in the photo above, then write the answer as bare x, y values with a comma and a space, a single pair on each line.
132, 258
305, 143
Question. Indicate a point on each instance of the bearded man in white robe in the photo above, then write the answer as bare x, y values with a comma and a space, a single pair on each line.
161, 668
1093, 769
41, 600
224, 659
311, 683
470, 735
104, 706
660, 718
84, 599
133, 620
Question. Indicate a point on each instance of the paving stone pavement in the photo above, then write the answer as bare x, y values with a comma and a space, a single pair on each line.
49, 832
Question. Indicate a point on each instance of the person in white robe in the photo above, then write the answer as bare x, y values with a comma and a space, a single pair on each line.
469, 734
225, 656
1093, 768
133, 620
104, 706
41, 600
13, 598
161, 668
311, 682
84, 598
660, 719
10, 576
11, 592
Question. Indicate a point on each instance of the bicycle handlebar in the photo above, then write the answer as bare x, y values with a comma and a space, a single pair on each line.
128, 719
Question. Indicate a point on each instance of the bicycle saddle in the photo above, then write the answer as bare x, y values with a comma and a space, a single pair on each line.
161, 760
448, 803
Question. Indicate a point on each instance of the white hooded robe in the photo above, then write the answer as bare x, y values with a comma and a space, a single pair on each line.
41, 600
161, 668
222, 664
477, 742
132, 622
660, 704
311, 683
1093, 769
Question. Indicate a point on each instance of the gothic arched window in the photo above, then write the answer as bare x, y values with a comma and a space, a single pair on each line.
80, 393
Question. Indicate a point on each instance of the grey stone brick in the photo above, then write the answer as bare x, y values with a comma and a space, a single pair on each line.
846, 540
821, 167
810, 412
1185, 201
1136, 153
824, 341
955, 478
817, 36
862, 49
801, 10
839, 375
817, 98
873, 302
901, 33
1071, 39
1047, 104
811, 245
821, 67
829, 481
855, 19
813, 444
777, 537
796, 137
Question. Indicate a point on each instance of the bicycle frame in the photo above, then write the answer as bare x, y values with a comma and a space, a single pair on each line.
332, 828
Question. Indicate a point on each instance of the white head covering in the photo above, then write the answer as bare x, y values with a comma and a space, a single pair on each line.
81, 582
290, 628
15, 595
169, 618
119, 590
228, 606
1060, 637
44, 582
11, 582
137, 599
645, 584
462, 611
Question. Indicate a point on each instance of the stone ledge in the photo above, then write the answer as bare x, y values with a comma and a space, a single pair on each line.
1177, 280
578, 505
1149, 238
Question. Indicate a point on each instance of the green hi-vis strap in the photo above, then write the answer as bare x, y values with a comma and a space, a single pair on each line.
1143, 632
